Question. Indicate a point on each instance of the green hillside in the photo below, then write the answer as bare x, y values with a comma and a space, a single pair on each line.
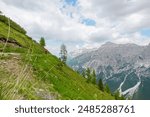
28, 71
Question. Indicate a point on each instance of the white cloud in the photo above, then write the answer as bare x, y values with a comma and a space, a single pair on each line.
118, 21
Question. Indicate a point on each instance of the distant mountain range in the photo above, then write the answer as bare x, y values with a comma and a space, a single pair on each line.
124, 67
78, 52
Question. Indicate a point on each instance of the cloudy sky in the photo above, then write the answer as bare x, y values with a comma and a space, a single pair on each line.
82, 23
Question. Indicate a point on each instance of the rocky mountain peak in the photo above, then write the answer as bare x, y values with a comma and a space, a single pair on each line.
108, 44
124, 67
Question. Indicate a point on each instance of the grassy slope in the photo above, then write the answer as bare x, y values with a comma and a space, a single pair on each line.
46, 76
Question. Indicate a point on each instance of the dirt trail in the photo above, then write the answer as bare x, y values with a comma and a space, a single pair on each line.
11, 63
23, 76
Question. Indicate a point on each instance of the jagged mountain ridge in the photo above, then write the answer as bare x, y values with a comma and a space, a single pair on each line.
125, 67
81, 51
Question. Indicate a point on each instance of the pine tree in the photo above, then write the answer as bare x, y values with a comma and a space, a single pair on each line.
84, 74
1, 13
42, 42
100, 85
59, 65
93, 77
122, 97
88, 75
63, 53
107, 89
117, 95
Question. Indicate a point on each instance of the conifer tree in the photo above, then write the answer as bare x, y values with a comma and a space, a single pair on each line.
63, 53
100, 85
88, 75
84, 74
1, 13
42, 41
117, 95
107, 89
122, 97
93, 77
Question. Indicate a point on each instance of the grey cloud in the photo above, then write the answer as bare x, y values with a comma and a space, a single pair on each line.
119, 12
100, 39
101, 36
116, 9
43, 18
31, 5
